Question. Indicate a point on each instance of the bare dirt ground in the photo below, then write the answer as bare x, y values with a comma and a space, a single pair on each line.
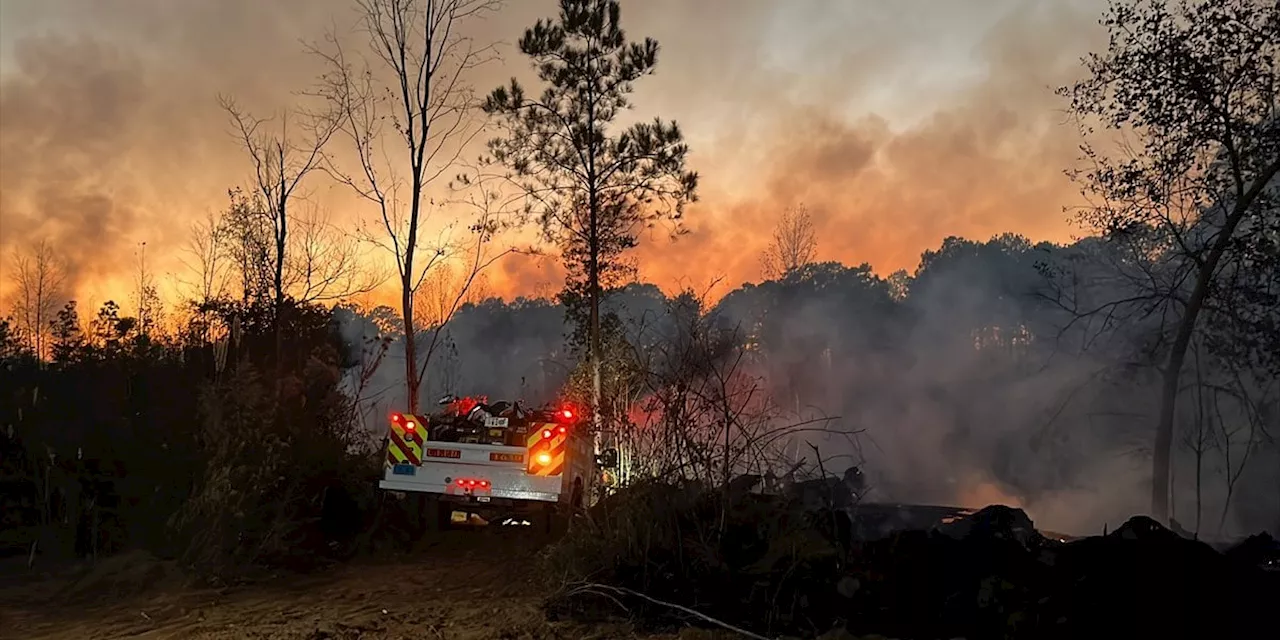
467, 585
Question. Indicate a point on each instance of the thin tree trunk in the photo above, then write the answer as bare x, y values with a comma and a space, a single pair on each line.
593, 286
412, 381
410, 346
417, 161
282, 231
1160, 459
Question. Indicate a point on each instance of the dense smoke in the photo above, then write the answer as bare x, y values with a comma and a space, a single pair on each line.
973, 388
897, 127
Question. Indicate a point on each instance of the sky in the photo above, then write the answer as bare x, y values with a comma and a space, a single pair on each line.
896, 124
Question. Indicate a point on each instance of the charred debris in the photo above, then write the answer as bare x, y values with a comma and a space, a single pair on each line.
773, 564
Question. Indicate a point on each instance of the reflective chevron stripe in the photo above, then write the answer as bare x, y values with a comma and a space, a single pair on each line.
546, 455
405, 444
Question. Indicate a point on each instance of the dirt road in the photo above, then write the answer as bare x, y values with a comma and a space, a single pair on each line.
467, 586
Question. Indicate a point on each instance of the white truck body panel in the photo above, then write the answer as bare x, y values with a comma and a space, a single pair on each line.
444, 463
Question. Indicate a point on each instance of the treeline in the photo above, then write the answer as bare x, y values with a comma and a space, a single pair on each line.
192, 437
210, 442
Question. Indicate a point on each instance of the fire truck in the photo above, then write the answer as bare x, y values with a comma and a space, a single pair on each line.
500, 461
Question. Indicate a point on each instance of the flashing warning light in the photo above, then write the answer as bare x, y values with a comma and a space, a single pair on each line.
546, 433
567, 414
563, 429
409, 425
397, 418
544, 458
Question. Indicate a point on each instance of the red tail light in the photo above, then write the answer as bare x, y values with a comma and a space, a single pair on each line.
546, 433
566, 413
397, 418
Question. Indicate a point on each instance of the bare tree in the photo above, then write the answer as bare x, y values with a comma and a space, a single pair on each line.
245, 238
204, 256
1191, 90
794, 244
427, 113
39, 276
283, 150
1241, 433
323, 263
434, 297
146, 296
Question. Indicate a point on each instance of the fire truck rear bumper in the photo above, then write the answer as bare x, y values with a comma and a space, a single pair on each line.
495, 496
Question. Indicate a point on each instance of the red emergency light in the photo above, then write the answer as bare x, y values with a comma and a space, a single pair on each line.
399, 419
566, 413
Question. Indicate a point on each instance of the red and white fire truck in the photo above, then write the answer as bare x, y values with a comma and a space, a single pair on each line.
496, 460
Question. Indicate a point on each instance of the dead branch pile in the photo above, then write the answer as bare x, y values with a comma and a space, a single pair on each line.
767, 565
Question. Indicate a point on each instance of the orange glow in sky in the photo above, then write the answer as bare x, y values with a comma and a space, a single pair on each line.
897, 129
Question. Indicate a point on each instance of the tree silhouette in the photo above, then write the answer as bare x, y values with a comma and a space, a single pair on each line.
429, 110
793, 246
39, 277
68, 338
244, 235
282, 158
146, 296
1193, 88
591, 189
205, 254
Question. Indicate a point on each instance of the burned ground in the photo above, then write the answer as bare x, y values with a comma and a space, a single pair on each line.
759, 566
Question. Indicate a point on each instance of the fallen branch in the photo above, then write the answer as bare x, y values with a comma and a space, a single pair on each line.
603, 589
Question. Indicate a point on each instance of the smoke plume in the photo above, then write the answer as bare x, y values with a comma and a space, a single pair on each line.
896, 126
